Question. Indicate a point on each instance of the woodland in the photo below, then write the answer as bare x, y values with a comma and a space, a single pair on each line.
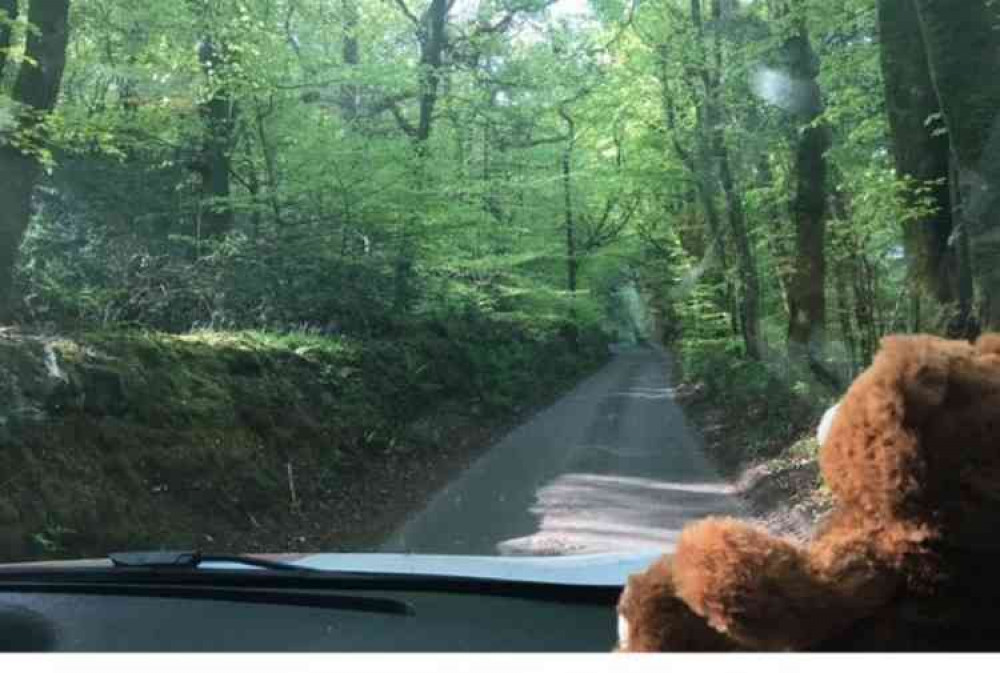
750, 181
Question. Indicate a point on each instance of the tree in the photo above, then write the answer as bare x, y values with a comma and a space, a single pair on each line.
214, 161
922, 154
699, 149
749, 305
35, 93
585, 233
372, 162
807, 286
351, 54
963, 52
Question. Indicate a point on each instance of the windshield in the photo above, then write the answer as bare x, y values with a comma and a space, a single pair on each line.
474, 277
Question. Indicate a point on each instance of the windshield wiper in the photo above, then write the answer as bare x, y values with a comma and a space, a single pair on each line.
166, 574
160, 568
191, 560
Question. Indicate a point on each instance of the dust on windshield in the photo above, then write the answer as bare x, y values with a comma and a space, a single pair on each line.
492, 277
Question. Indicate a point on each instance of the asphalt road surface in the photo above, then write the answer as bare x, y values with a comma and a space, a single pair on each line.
611, 467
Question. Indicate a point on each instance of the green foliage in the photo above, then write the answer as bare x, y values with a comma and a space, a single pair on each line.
329, 204
775, 403
403, 224
373, 197
51, 541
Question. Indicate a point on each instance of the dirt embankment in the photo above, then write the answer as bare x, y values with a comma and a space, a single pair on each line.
240, 443
770, 458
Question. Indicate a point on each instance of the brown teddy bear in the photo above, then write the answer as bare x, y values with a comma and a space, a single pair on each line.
907, 559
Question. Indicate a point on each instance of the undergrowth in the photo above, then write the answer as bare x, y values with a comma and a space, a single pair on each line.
758, 410
139, 438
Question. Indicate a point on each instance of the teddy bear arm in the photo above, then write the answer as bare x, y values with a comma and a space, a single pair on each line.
758, 589
651, 617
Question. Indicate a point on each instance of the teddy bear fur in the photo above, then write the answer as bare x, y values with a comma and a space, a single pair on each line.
904, 561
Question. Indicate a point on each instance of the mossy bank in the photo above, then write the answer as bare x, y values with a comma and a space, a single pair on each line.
250, 441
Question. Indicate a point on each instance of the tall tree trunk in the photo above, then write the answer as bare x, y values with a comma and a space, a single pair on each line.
807, 286
966, 323
865, 302
8, 14
963, 51
36, 91
261, 114
572, 254
692, 162
431, 27
432, 44
776, 242
854, 271
806, 291
349, 102
920, 154
702, 163
749, 294
842, 274
214, 166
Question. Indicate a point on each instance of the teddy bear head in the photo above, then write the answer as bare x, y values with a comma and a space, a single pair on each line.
913, 451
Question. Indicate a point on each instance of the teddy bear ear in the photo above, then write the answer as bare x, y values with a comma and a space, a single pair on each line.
823, 431
623, 633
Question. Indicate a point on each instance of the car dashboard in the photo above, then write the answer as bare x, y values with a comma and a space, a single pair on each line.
100, 610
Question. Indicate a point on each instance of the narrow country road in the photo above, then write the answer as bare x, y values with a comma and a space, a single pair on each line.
612, 466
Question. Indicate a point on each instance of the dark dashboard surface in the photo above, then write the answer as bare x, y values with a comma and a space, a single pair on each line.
63, 619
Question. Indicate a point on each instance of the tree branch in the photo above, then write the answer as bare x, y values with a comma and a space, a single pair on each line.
608, 229
504, 22
401, 4
404, 124
536, 142
484, 28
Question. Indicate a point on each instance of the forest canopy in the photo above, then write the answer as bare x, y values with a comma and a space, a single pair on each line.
762, 178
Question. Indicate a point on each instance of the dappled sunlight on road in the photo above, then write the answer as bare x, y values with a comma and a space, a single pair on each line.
648, 393
592, 513
611, 467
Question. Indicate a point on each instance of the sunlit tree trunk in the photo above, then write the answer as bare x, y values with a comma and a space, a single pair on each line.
36, 91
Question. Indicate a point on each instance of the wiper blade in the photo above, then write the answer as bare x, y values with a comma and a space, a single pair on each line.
194, 559
156, 569
300, 597
166, 574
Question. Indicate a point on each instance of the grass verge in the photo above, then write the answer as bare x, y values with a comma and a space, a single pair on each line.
758, 422
252, 441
